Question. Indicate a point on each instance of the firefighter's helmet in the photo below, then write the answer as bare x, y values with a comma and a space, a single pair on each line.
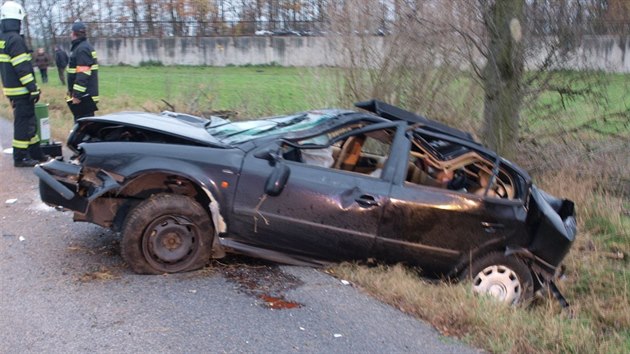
11, 10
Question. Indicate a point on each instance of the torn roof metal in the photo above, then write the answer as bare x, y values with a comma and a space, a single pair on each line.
390, 112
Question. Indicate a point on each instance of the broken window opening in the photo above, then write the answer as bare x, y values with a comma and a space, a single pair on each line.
441, 164
364, 153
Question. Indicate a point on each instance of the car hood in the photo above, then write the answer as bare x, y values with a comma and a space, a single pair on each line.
177, 125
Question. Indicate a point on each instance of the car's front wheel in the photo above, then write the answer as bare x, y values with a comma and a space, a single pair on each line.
506, 278
167, 233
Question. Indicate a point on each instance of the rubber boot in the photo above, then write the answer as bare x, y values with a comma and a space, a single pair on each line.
36, 153
21, 159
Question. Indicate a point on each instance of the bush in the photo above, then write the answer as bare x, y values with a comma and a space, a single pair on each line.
151, 63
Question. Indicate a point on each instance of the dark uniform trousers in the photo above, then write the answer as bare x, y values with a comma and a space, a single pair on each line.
85, 108
25, 139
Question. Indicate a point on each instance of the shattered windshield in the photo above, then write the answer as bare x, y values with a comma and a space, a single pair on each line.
238, 132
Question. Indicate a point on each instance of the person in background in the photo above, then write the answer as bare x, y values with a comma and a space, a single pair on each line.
82, 74
18, 81
42, 60
61, 60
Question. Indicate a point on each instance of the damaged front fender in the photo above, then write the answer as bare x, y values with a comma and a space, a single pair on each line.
552, 226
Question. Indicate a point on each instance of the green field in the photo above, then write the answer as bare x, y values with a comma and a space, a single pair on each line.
253, 91
250, 91
599, 100
266, 90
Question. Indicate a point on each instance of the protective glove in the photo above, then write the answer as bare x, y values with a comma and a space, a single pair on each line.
35, 96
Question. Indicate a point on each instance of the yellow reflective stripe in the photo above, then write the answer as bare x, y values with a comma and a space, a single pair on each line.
89, 72
71, 70
21, 144
5, 58
94, 67
2, 44
16, 60
26, 79
94, 54
79, 88
34, 140
15, 91
95, 98
34, 93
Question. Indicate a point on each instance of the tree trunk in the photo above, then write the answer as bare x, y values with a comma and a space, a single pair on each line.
503, 75
150, 17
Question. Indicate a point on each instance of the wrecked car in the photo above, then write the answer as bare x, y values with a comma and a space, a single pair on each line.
312, 188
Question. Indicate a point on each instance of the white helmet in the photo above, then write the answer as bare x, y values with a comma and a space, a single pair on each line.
12, 10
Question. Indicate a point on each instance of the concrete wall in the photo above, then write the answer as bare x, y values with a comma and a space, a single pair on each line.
218, 51
609, 53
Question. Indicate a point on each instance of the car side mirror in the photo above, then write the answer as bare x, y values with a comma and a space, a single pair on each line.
270, 155
277, 180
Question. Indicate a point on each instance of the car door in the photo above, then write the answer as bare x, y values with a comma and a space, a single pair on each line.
322, 212
436, 228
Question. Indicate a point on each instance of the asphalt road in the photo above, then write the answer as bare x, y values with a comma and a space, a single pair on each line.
65, 288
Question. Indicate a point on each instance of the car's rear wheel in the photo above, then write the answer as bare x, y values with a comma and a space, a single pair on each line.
167, 233
506, 278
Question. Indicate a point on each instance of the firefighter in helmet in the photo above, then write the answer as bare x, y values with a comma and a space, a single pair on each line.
82, 74
18, 81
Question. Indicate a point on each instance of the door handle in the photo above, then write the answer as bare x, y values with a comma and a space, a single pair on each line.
491, 227
366, 201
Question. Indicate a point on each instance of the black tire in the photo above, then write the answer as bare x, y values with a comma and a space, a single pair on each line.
167, 233
506, 278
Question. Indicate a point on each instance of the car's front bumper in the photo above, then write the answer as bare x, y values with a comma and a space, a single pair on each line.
60, 185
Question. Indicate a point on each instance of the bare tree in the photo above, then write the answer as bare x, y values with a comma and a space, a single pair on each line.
415, 65
150, 16
203, 12
512, 48
535, 35
132, 5
502, 74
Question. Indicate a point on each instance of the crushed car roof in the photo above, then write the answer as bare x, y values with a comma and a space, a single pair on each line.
219, 132
390, 112
240, 131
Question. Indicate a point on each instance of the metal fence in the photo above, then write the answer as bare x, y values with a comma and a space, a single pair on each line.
161, 29
590, 27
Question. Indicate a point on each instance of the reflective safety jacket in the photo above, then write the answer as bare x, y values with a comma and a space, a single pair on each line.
83, 70
18, 78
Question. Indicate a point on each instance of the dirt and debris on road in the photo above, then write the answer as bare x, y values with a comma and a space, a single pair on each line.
260, 279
